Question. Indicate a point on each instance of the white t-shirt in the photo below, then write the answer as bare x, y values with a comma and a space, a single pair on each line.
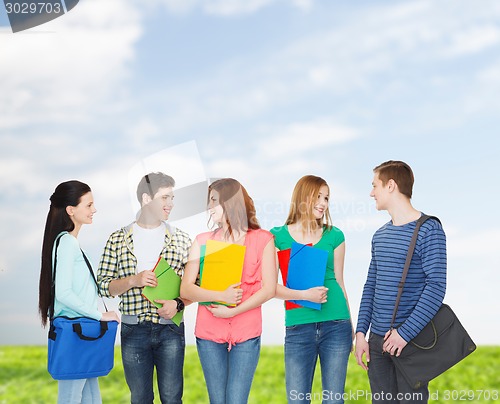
148, 244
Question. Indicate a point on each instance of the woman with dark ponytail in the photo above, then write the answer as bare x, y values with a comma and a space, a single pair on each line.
72, 205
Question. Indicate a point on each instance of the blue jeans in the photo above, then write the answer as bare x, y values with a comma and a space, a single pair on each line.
146, 345
228, 374
331, 341
84, 391
387, 384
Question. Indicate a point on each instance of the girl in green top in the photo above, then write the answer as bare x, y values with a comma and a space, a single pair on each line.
310, 333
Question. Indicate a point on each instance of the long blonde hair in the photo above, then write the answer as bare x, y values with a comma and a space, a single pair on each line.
303, 200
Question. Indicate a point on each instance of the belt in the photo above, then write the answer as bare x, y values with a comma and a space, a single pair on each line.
134, 319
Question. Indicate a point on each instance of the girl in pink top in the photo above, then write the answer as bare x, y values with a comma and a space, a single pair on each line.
228, 338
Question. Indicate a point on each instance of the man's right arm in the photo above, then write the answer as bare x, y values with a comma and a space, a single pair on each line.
366, 305
107, 270
364, 316
110, 285
120, 286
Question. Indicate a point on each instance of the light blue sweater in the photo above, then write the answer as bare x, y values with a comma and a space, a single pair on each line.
76, 293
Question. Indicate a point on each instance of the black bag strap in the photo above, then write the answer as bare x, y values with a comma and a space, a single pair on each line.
93, 277
409, 256
77, 328
53, 288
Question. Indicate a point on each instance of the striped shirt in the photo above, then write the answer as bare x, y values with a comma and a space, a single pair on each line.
118, 261
425, 285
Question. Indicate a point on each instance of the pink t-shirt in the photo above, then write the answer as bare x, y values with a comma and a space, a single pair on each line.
246, 325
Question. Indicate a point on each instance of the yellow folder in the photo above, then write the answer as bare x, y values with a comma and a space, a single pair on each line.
223, 265
168, 287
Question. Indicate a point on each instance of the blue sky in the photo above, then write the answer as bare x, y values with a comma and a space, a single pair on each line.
263, 91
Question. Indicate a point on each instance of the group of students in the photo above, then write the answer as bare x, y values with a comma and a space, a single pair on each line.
228, 337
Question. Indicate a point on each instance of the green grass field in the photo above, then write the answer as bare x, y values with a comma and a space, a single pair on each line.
24, 379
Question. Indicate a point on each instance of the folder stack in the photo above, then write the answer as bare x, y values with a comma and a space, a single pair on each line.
221, 266
302, 267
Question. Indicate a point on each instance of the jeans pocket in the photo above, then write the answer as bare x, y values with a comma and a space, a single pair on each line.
126, 330
179, 330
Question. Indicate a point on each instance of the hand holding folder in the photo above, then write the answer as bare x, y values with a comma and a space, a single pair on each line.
306, 269
221, 266
168, 288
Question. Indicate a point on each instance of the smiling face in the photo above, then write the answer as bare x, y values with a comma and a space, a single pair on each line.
163, 203
320, 206
309, 206
379, 192
215, 209
84, 211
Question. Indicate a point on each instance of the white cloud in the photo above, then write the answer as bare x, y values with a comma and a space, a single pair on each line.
63, 70
480, 244
378, 46
178, 6
140, 133
227, 8
305, 5
299, 137
473, 40
490, 75
234, 7
229, 166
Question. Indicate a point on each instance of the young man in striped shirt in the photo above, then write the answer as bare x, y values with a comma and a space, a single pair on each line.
423, 292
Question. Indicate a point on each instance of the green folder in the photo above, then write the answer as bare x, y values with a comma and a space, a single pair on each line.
168, 288
203, 249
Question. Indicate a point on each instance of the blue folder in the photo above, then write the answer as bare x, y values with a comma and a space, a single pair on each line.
306, 270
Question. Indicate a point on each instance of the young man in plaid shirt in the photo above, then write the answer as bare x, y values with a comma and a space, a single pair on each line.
149, 337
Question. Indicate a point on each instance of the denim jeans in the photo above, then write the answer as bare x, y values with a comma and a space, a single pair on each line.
147, 345
80, 391
386, 382
228, 374
331, 341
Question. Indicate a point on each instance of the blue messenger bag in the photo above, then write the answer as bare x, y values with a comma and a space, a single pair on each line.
79, 348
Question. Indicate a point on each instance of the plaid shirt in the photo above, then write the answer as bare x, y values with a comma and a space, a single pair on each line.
118, 261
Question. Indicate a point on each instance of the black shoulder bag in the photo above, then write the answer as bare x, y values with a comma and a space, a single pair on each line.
441, 344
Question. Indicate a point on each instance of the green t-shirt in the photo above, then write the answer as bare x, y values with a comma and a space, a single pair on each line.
335, 307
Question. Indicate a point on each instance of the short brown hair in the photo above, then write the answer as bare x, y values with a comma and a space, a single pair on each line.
398, 171
152, 182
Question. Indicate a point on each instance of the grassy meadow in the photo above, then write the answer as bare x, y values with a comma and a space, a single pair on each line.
24, 379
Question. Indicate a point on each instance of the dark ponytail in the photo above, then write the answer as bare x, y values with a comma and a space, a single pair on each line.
66, 194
